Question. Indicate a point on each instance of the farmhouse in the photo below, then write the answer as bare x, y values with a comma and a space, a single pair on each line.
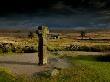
54, 36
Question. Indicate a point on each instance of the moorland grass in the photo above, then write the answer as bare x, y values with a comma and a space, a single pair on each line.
73, 43
93, 68
6, 75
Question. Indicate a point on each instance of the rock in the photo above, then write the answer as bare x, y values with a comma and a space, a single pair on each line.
48, 73
54, 72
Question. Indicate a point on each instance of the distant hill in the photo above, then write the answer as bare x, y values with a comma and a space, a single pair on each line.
78, 19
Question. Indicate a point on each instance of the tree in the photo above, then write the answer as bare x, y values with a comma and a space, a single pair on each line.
82, 34
31, 35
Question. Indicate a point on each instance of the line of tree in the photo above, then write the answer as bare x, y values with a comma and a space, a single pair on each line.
83, 33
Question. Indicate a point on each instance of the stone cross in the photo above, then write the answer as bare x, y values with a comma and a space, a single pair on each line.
42, 44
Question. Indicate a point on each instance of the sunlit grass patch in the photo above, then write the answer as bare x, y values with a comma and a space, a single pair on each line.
6, 75
95, 69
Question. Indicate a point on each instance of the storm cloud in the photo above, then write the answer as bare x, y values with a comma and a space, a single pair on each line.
54, 13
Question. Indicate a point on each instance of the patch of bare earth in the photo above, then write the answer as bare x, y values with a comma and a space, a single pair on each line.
22, 64
27, 63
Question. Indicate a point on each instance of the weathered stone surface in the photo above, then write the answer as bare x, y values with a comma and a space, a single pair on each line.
42, 44
49, 73
54, 72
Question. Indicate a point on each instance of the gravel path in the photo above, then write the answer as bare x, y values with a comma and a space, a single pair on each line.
22, 64
26, 63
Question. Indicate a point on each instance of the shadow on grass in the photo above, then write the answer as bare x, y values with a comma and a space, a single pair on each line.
95, 39
100, 58
14, 62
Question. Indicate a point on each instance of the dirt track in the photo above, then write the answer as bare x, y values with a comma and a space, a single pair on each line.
22, 64
27, 63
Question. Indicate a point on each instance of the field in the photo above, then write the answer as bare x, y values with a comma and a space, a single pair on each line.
89, 56
20, 42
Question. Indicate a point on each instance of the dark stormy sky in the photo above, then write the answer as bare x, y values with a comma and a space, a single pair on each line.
79, 14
